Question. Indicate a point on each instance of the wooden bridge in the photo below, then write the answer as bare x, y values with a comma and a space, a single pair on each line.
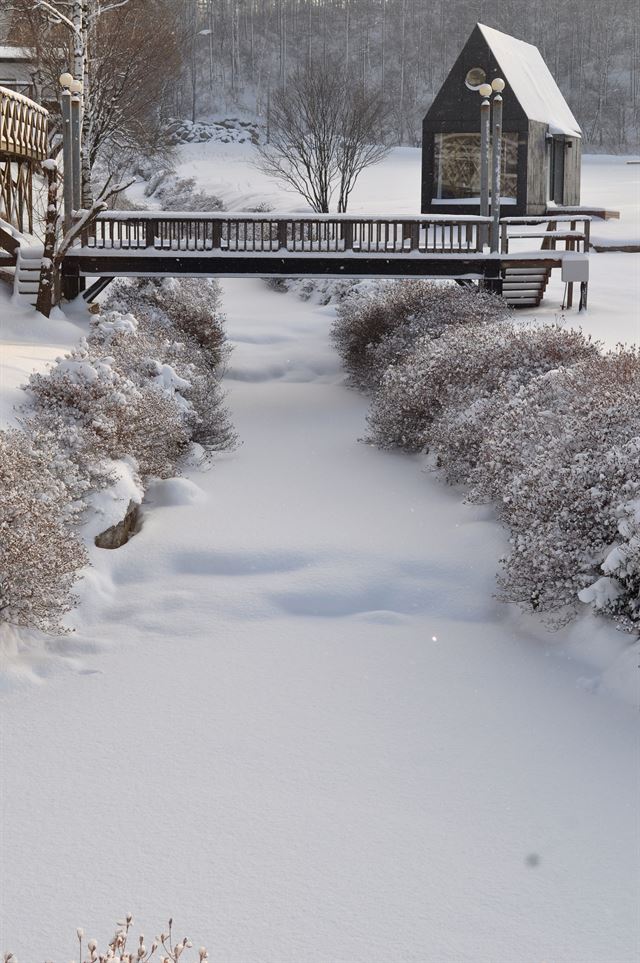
147, 244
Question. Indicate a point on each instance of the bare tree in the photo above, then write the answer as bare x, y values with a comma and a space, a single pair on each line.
324, 132
363, 123
126, 66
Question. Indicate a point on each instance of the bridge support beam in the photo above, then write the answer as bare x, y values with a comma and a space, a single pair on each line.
493, 277
72, 283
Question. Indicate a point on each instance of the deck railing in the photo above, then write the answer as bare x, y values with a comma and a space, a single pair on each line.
573, 232
23, 127
243, 233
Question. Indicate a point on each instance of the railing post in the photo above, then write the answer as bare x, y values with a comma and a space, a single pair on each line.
504, 242
282, 234
347, 235
216, 235
150, 233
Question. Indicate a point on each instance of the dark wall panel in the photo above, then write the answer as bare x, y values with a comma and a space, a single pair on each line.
537, 178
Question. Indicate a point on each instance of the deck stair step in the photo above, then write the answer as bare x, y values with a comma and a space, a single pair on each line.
27, 274
524, 287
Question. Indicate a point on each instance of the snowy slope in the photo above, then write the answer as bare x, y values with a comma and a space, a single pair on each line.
293, 716
28, 342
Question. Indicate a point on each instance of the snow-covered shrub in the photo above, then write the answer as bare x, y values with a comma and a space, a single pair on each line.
39, 554
446, 391
617, 591
379, 327
110, 417
179, 322
192, 305
180, 194
145, 348
561, 459
322, 290
262, 207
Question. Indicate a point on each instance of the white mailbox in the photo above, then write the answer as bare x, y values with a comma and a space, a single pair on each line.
575, 268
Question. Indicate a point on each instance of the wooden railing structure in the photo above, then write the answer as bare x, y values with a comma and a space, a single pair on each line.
244, 233
561, 228
226, 244
23, 145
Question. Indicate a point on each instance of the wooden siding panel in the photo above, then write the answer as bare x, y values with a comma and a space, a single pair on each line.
537, 170
572, 171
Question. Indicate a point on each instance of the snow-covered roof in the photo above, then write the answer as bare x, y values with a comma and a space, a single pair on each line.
11, 52
531, 82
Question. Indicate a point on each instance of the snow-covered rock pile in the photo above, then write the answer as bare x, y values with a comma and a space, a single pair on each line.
536, 420
230, 131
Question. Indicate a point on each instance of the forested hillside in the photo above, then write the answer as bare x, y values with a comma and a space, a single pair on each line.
230, 55
406, 48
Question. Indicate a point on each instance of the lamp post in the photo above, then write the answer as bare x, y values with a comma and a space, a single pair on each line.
497, 86
489, 144
485, 91
66, 80
76, 142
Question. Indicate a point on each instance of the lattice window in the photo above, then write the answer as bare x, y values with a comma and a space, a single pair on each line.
457, 166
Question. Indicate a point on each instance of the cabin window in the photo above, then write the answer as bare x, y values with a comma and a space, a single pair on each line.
457, 166
475, 78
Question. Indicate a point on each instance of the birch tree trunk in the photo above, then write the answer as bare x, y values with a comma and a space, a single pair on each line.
45, 297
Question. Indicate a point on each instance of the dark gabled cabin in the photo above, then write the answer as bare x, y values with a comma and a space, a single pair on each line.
542, 142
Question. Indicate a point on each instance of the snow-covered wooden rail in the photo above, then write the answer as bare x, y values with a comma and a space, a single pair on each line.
152, 243
284, 234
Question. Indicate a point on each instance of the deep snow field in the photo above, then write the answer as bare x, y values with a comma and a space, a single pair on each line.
292, 715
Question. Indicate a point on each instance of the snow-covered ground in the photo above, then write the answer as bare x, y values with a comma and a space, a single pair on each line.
292, 715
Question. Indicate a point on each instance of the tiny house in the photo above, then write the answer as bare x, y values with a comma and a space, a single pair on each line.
542, 142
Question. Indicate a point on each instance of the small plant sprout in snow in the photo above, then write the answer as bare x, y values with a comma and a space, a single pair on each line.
164, 948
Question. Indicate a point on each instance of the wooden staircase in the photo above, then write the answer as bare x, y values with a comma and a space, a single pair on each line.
20, 262
524, 287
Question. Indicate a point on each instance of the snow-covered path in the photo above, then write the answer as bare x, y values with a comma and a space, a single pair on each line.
306, 729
